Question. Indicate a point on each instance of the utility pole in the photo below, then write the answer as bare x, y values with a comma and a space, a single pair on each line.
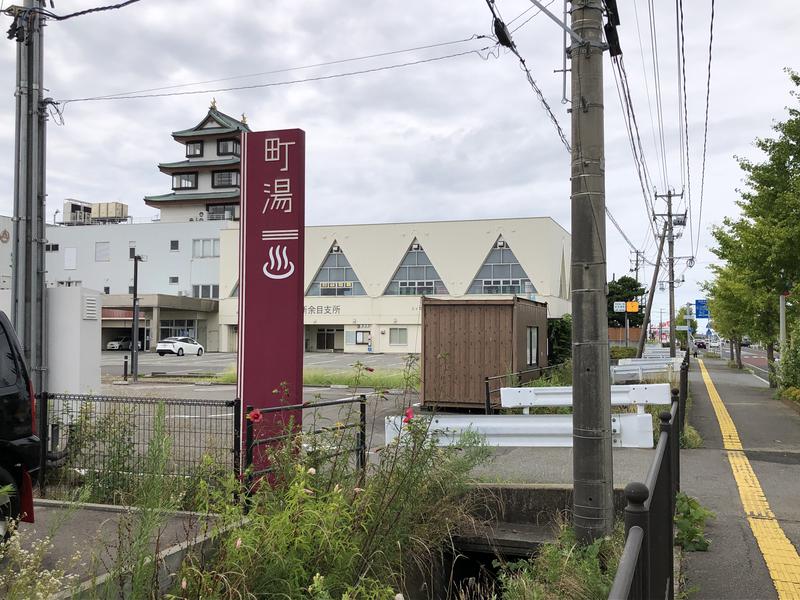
671, 257
28, 268
782, 324
135, 321
651, 295
593, 506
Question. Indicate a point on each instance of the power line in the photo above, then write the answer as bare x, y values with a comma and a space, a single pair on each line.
705, 127
526, 21
504, 39
301, 68
80, 13
280, 83
657, 77
682, 76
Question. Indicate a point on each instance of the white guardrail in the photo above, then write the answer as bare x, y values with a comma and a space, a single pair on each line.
629, 430
638, 372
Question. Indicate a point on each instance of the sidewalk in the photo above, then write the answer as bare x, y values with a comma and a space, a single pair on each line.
768, 472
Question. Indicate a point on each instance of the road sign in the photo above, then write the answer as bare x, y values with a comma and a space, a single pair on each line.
701, 309
632, 306
619, 307
272, 229
681, 328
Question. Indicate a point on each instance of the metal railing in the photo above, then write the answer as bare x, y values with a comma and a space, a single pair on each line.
101, 443
253, 441
493, 384
646, 567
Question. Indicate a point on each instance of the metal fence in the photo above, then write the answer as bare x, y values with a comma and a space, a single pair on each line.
101, 444
493, 384
349, 433
646, 567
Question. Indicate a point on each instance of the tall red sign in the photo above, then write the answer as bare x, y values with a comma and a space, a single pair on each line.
272, 230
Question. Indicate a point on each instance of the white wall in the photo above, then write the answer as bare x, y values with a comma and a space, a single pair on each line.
151, 240
6, 245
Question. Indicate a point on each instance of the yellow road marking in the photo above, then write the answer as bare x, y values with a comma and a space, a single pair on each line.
779, 553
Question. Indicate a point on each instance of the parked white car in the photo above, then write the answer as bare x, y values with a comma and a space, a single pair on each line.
179, 346
121, 343
714, 344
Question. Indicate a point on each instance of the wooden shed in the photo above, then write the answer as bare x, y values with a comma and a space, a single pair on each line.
466, 341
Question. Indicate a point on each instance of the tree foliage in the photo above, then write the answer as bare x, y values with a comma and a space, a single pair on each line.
761, 247
624, 289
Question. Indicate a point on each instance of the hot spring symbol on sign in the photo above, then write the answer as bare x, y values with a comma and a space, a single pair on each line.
278, 265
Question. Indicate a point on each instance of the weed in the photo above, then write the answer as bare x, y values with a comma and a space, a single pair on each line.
690, 521
565, 569
622, 352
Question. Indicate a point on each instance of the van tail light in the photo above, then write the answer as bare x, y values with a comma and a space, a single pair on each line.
34, 423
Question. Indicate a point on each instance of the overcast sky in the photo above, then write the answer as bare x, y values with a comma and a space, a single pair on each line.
461, 138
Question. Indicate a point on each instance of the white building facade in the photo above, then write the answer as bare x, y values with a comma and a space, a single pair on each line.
364, 282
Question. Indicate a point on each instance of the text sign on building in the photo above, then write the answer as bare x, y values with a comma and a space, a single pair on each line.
271, 236
632, 306
701, 309
619, 307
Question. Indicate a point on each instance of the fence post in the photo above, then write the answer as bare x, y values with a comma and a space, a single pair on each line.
125, 369
666, 427
683, 385
44, 441
637, 515
675, 438
248, 441
488, 406
361, 457
237, 438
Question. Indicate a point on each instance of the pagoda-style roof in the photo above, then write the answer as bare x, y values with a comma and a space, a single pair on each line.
214, 123
191, 164
191, 197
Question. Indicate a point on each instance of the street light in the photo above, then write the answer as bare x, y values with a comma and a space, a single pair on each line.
135, 325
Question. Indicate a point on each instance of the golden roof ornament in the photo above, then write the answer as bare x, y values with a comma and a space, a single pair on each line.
244, 119
213, 104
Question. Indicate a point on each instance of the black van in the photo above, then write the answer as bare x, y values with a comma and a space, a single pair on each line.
19, 445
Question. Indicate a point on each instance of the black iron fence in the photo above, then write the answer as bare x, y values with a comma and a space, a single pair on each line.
493, 384
100, 444
646, 567
349, 432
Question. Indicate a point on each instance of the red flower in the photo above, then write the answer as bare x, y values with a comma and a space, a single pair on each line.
409, 415
370, 369
255, 415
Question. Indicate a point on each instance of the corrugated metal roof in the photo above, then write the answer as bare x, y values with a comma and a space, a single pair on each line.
192, 196
227, 124
189, 164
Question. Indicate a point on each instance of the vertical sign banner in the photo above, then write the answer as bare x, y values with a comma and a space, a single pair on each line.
701, 309
272, 230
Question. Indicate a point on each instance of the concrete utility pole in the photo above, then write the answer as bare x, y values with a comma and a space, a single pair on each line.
650, 296
671, 257
782, 325
593, 508
28, 269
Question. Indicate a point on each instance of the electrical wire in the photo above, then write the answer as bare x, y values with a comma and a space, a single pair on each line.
528, 20
658, 93
80, 13
682, 85
64, 103
705, 127
301, 68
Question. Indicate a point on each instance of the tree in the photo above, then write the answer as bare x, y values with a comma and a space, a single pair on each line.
624, 289
559, 338
680, 319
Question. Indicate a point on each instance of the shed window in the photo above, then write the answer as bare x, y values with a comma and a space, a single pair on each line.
533, 346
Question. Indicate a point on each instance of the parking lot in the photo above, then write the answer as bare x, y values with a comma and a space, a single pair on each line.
216, 362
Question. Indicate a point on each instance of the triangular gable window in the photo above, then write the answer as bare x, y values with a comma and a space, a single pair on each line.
336, 277
501, 273
416, 275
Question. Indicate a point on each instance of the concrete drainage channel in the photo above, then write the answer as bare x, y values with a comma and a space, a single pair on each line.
519, 519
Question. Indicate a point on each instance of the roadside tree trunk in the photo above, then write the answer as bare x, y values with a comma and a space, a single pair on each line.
773, 379
739, 364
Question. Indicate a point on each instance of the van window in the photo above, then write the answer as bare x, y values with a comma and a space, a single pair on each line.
9, 370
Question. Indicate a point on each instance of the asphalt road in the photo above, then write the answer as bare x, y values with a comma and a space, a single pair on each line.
111, 362
770, 434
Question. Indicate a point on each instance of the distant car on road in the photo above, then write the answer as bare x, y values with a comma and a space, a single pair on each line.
19, 445
700, 344
713, 344
745, 342
179, 346
121, 343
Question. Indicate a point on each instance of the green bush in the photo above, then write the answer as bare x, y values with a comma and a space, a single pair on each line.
560, 375
791, 393
622, 352
789, 370
323, 530
690, 522
565, 569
